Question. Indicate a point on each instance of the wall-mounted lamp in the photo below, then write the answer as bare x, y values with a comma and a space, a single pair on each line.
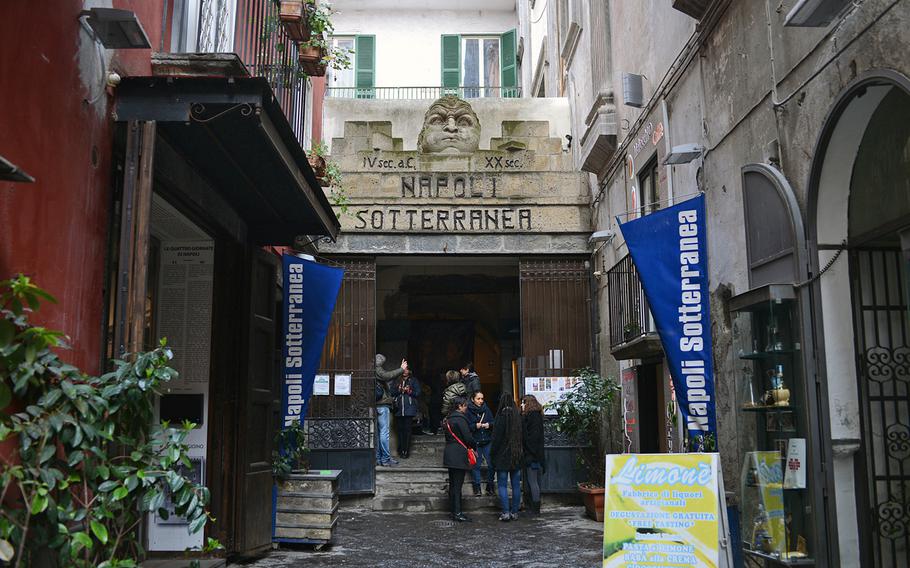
602, 236
683, 154
116, 29
11, 172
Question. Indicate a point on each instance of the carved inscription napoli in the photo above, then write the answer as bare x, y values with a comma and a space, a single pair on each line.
524, 183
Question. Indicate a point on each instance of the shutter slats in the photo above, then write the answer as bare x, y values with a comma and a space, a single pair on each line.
451, 63
509, 64
365, 66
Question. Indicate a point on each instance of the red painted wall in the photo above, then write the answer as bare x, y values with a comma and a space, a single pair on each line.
55, 124
318, 85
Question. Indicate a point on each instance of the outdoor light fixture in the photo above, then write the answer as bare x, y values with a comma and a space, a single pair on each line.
116, 29
11, 172
815, 13
633, 90
683, 154
602, 236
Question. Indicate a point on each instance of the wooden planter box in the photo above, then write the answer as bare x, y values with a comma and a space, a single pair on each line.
310, 59
293, 17
306, 507
593, 498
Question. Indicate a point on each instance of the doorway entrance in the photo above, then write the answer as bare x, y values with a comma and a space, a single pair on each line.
441, 313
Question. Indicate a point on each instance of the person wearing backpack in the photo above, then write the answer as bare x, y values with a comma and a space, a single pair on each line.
384, 402
406, 390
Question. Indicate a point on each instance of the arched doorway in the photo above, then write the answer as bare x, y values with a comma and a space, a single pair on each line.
860, 201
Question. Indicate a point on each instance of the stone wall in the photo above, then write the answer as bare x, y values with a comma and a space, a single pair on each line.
519, 195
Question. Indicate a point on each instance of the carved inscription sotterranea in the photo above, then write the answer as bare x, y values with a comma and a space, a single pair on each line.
524, 183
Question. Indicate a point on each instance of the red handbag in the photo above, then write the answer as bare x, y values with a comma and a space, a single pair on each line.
472, 455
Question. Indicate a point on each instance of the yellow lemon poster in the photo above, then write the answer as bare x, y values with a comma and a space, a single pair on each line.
661, 510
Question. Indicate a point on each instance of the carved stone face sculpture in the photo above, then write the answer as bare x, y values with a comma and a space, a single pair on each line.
449, 127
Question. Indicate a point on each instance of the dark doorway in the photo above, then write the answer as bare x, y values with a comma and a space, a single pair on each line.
442, 313
650, 410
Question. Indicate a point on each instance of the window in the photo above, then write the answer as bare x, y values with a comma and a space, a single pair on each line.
650, 190
480, 66
359, 82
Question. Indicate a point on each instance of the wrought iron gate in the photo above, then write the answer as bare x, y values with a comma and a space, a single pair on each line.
883, 352
340, 427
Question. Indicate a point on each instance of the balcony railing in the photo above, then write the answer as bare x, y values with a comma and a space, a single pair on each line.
265, 49
630, 316
396, 93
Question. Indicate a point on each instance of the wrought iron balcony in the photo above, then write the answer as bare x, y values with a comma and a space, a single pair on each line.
430, 93
632, 332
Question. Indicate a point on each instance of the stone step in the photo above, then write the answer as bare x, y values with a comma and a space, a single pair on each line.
408, 474
426, 503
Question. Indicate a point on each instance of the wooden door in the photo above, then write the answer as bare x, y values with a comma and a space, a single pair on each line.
260, 406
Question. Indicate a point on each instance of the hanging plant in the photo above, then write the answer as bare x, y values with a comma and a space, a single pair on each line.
316, 54
294, 16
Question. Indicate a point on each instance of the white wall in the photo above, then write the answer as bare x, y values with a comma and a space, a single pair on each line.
408, 44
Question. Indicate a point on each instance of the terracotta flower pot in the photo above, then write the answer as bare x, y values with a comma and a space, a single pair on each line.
594, 501
293, 16
319, 167
311, 60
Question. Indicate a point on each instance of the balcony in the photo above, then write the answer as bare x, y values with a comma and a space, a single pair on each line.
632, 331
421, 93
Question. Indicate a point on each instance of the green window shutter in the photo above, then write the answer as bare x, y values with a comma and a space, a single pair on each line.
365, 66
451, 64
509, 51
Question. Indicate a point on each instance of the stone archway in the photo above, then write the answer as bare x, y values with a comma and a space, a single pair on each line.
873, 519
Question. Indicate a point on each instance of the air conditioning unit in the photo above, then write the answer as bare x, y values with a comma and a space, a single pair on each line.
633, 90
816, 13
693, 8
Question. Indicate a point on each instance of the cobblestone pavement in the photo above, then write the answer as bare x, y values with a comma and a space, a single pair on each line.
558, 538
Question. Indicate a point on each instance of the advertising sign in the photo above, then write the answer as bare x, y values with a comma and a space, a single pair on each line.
549, 390
310, 291
662, 510
669, 248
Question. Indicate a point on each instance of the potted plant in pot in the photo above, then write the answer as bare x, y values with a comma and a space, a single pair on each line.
294, 17
581, 414
316, 53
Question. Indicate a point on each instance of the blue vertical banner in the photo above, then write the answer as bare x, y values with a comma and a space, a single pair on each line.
310, 292
670, 251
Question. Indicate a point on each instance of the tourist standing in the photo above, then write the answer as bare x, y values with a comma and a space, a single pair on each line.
480, 419
454, 389
470, 379
406, 391
384, 401
455, 456
532, 435
506, 453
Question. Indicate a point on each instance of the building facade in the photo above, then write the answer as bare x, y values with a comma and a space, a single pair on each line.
790, 119
160, 174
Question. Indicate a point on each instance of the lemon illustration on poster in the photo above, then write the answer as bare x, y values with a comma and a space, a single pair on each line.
664, 510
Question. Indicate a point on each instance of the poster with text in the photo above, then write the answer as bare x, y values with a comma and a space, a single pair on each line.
548, 390
661, 510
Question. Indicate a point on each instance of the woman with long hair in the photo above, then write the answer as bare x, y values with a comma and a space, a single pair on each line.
506, 453
455, 456
532, 430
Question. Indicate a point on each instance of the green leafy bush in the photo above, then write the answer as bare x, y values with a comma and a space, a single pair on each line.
581, 413
290, 453
89, 463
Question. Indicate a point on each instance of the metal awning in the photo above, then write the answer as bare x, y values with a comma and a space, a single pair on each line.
234, 132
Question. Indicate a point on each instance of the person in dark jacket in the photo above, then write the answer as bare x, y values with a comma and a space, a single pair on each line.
455, 456
406, 391
454, 389
470, 379
506, 453
532, 435
480, 418
384, 400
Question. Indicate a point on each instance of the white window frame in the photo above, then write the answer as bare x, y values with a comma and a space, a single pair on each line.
481, 87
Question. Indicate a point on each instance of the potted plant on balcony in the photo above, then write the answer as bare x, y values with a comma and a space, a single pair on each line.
316, 53
294, 17
581, 414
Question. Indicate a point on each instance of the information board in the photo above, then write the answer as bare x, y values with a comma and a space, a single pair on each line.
662, 510
548, 390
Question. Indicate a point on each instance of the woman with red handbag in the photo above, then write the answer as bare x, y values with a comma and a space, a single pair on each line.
458, 454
